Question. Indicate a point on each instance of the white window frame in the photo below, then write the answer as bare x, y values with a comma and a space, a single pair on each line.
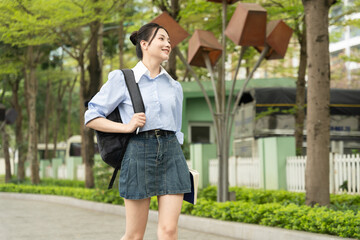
202, 124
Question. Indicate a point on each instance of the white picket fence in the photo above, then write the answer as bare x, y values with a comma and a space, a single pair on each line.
62, 173
344, 173
295, 173
80, 172
242, 172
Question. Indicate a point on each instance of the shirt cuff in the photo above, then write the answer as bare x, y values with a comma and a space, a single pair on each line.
91, 114
180, 137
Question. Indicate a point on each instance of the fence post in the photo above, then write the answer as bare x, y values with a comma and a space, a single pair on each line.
200, 154
272, 155
332, 172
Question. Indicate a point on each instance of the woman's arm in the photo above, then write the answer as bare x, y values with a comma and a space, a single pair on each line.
105, 125
111, 94
179, 103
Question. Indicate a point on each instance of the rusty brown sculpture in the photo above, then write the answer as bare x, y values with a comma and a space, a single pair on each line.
176, 32
247, 28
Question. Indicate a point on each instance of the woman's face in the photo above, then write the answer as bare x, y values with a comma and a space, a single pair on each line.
160, 46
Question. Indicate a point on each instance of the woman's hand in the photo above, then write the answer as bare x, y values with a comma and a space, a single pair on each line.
138, 120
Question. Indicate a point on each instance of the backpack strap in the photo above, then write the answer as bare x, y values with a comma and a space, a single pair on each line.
134, 91
137, 103
113, 177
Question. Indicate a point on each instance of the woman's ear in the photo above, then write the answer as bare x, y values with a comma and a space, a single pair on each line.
143, 44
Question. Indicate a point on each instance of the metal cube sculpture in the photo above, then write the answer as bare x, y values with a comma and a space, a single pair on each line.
176, 33
278, 35
247, 26
203, 42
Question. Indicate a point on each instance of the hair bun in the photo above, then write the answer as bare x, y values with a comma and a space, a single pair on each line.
134, 37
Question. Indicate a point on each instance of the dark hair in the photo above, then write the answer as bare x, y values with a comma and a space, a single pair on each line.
144, 33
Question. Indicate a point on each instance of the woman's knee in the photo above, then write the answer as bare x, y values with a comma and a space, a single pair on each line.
167, 231
133, 236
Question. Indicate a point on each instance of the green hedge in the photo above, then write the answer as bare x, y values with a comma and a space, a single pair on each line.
291, 216
341, 202
269, 208
96, 195
257, 196
2, 179
52, 182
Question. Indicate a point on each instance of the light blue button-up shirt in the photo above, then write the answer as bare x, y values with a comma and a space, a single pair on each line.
162, 97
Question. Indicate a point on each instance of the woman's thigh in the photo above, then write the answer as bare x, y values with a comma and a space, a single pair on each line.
170, 209
137, 212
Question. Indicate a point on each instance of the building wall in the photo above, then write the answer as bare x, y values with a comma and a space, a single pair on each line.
344, 43
196, 113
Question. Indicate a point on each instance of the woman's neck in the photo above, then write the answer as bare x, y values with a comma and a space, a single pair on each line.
152, 66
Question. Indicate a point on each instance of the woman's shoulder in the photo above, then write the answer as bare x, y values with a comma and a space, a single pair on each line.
116, 74
115, 77
174, 83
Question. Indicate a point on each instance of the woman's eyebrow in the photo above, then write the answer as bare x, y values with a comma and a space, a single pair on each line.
163, 35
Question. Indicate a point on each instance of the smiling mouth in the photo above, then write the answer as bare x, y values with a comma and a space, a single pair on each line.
166, 50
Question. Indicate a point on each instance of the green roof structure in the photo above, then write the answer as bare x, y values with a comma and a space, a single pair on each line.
192, 89
196, 112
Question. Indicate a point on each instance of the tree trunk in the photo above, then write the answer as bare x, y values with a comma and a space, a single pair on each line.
47, 116
5, 146
56, 128
318, 114
20, 145
58, 111
101, 51
171, 65
121, 44
89, 179
88, 148
69, 109
223, 142
31, 92
300, 94
173, 9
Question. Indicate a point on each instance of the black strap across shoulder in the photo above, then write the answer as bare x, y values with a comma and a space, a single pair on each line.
134, 91
137, 103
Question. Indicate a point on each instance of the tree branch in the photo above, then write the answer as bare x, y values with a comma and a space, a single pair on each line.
68, 52
96, 30
277, 4
114, 3
162, 5
24, 8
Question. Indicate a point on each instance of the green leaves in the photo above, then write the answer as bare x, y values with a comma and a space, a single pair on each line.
36, 22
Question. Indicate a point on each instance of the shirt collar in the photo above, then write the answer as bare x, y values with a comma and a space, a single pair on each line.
140, 69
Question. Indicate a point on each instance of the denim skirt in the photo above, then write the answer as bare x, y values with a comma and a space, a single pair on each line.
153, 165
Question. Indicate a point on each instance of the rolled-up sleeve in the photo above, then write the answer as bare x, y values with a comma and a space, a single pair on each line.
179, 104
111, 94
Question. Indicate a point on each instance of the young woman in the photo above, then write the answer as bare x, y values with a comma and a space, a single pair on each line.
153, 164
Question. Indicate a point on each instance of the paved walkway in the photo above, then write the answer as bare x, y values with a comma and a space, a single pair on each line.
48, 217
29, 220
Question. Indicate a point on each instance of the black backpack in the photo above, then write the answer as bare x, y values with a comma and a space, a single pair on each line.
112, 146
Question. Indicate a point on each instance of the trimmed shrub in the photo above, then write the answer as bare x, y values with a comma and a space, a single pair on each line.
52, 182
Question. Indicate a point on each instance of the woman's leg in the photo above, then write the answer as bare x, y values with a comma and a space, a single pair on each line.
137, 212
169, 212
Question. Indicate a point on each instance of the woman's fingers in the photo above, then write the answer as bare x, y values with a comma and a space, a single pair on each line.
140, 119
